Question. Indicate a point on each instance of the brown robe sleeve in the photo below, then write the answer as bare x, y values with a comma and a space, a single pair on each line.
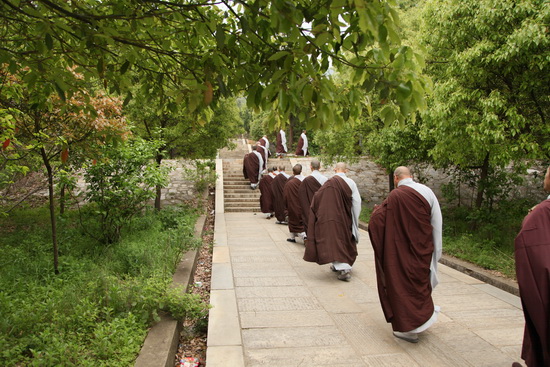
307, 189
292, 204
277, 187
532, 253
300, 146
266, 197
376, 229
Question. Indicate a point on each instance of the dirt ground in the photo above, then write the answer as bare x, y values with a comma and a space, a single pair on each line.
193, 339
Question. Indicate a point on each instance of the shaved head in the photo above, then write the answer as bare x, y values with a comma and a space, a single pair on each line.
281, 168
297, 169
402, 172
341, 167
315, 164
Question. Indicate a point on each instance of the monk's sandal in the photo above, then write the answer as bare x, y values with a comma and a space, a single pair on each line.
344, 275
410, 337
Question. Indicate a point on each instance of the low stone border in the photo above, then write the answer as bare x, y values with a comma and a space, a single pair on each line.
161, 343
474, 271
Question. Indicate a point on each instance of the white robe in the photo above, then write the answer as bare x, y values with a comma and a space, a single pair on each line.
319, 177
283, 140
304, 147
261, 160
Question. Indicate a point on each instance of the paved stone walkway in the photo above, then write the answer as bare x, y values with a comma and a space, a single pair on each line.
271, 308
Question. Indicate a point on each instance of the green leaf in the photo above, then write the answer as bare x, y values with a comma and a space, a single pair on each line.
49, 41
59, 91
124, 67
307, 93
382, 34
278, 55
404, 90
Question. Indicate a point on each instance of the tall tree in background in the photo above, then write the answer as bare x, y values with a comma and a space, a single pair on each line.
490, 62
47, 131
278, 52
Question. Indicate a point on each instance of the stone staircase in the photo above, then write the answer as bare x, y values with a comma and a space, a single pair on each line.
238, 196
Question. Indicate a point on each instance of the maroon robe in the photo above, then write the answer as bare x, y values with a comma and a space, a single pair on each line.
263, 143
266, 198
292, 203
261, 149
277, 187
400, 231
279, 146
307, 189
533, 273
329, 236
299, 150
251, 167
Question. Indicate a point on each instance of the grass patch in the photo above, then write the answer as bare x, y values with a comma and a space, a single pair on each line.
96, 312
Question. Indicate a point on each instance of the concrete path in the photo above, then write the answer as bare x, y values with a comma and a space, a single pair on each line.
271, 308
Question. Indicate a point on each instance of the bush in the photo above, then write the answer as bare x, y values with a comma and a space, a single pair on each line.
96, 312
121, 183
203, 176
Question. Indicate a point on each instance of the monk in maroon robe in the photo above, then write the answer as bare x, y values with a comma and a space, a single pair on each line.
263, 151
251, 167
266, 197
332, 232
302, 148
277, 187
292, 203
308, 188
532, 252
402, 237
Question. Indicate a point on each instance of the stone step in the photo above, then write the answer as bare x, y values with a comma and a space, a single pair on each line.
243, 210
234, 195
242, 204
233, 180
241, 201
246, 191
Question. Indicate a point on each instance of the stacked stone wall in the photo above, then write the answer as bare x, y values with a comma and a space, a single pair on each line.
373, 181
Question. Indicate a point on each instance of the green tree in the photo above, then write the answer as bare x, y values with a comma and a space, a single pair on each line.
121, 182
490, 62
47, 131
278, 52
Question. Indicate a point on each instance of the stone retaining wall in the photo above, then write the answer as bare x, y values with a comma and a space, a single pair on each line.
373, 181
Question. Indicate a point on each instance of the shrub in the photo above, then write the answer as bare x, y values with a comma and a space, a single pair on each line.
96, 312
121, 183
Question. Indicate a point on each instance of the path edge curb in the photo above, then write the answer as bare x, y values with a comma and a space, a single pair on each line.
161, 344
474, 271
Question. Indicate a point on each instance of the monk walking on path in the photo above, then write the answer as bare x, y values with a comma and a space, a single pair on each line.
303, 144
333, 227
252, 167
277, 187
266, 197
281, 144
533, 272
308, 188
406, 235
292, 203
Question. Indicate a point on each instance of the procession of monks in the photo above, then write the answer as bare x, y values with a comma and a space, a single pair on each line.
406, 234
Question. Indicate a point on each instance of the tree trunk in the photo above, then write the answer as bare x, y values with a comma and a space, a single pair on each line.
52, 209
62, 199
158, 188
482, 183
290, 140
